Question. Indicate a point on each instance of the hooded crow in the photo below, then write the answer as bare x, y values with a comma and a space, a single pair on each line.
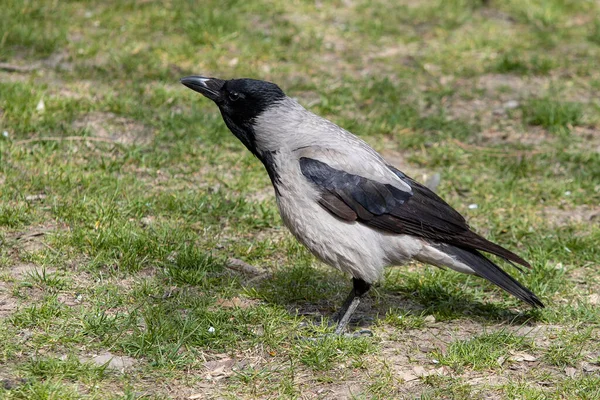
343, 201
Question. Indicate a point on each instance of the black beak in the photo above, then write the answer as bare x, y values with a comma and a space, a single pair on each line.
209, 87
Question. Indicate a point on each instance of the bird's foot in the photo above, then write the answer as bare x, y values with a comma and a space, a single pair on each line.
359, 333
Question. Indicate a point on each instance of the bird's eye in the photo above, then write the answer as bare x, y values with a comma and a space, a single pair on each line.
233, 96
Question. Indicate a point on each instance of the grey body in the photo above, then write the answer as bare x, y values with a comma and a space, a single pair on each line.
351, 247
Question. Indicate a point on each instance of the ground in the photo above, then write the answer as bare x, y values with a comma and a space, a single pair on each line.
141, 252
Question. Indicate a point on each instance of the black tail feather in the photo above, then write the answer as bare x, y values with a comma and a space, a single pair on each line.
492, 272
473, 240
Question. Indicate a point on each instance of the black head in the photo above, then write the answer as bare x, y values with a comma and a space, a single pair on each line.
240, 101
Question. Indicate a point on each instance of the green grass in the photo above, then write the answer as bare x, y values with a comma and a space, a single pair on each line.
595, 33
552, 114
484, 351
516, 64
118, 241
567, 349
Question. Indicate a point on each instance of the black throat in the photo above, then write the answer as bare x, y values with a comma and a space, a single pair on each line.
245, 133
267, 158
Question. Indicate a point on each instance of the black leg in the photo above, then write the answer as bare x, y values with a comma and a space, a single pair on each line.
342, 317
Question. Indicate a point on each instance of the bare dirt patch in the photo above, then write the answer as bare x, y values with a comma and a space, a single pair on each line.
505, 85
472, 109
70, 300
509, 134
223, 366
8, 304
82, 89
410, 357
346, 391
110, 126
589, 136
20, 271
575, 215
382, 57
129, 282
32, 239
542, 335
112, 361
14, 76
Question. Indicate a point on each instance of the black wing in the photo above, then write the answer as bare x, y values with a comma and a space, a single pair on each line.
420, 212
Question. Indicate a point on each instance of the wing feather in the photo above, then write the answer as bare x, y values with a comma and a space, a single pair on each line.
383, 206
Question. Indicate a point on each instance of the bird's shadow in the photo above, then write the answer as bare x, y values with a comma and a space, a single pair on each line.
317, 295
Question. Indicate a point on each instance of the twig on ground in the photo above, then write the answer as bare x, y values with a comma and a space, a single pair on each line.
172, 291
17, 68
52, 249
243, 267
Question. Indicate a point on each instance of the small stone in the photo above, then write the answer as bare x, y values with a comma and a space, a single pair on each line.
147, 221
444, 80
408, 376
34, 197
559, 266
587, 367
570, 372
211, 330
5, 134
593, 299
426, 349
118, 363
511, 104
218, 366
430, 319
473, 206
40, 106
520, 357
26, 334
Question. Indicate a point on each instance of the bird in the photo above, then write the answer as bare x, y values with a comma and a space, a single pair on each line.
343, 201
